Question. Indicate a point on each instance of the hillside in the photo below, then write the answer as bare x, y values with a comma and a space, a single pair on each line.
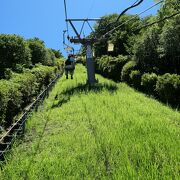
108, 131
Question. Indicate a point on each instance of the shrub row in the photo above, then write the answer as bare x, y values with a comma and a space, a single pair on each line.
165, 87
20, 89
110, 67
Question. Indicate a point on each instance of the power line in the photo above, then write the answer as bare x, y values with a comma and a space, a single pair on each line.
66, 16
161, 20
136, 3
137, 15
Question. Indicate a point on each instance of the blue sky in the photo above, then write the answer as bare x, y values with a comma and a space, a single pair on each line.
45, 18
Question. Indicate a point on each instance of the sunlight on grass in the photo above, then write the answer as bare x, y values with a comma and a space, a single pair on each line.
108, 131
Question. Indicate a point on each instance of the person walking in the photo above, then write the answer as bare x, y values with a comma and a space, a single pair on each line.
70, 66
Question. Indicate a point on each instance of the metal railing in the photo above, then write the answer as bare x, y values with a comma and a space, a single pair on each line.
17, 129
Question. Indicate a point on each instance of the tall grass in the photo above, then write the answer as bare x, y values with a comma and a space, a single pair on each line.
108, 131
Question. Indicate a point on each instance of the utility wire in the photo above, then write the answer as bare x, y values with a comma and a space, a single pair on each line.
137, 15
90, 10
161, 20
136, 3
66, 16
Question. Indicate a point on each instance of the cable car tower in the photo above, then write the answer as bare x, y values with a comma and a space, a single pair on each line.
86, 42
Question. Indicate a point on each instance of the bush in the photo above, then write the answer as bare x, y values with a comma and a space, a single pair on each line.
8, 73
111, 66
28, 86
102, 65
168, 88
13, 50
10, 100
57, 53
19, 91
135, 78
60, 63
50, 58
81, 60
148, 82
115, 67
145, 50
43, 74
126, 70
38, 51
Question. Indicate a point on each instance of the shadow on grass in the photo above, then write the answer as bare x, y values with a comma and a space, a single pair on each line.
65, 96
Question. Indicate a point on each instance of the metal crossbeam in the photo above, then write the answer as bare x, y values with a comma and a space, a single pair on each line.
87, 42
87, 19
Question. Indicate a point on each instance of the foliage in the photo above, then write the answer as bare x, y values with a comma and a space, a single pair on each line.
119, 37
49, 58
168, 88
110, 66
169, 50
38, 51
126, 70
83, 133
43, 74
20, 89
81, 60
135, 79
148, 82
155, 49
13, 50
40, 54
8, 73
27, 83
57, 53
10, 101
145, 51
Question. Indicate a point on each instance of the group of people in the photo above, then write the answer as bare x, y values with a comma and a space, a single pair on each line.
70, 66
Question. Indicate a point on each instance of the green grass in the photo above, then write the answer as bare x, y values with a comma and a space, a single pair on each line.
108, 131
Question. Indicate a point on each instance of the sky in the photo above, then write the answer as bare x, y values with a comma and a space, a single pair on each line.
45, 19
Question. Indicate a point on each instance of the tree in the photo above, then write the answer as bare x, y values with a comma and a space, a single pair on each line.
169, 50
119, 37
57, 53
145, 50
50, 58
13, 50
38, 50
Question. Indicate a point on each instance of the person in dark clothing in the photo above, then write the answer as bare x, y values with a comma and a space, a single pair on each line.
69, 66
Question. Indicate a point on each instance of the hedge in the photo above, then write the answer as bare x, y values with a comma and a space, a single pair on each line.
10, 100
126, 70
20, 90
135, 79
148, 82
168, 88
110, 66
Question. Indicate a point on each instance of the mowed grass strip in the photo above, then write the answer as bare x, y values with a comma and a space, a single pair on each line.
108, 131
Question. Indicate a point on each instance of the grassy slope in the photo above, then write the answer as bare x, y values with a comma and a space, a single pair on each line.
106, 132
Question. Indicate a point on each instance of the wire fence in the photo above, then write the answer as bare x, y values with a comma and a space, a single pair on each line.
17, 129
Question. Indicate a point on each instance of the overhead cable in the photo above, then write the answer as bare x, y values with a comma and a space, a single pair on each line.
137, 15
136, 3
66, 16
155, 22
